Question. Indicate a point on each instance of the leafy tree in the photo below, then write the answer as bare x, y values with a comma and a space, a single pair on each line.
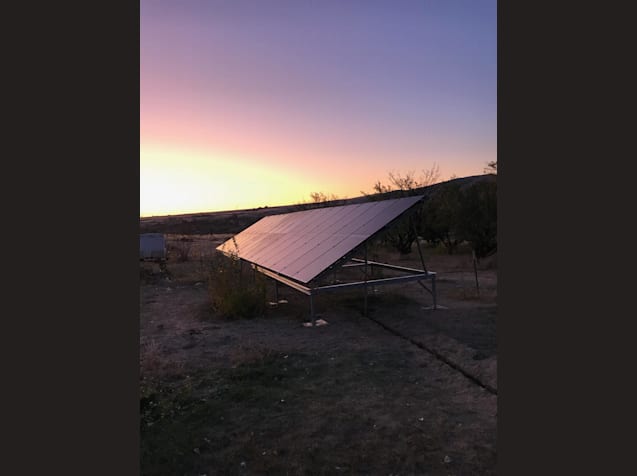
478, 217
402, 234
440, 218
491, 168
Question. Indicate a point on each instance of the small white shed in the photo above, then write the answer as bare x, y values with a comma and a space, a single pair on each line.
152, 246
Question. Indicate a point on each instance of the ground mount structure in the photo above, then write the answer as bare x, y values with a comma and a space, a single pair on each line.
306, 250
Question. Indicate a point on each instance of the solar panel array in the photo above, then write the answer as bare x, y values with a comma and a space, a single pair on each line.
301, 245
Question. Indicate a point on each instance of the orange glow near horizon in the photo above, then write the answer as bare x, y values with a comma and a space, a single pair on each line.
185, 181
175, 181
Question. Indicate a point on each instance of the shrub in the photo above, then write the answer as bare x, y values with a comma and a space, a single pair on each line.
233, 292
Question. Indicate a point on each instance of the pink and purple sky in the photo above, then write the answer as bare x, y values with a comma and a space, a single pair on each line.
248, 103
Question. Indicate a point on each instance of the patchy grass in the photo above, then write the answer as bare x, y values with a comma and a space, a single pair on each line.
153, 361
300, 414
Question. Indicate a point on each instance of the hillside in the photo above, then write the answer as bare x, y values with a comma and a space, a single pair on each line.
233, 221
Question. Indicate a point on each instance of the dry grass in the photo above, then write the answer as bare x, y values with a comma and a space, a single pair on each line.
154, 363
249, 353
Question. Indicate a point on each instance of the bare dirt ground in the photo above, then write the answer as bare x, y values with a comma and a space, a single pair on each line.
407, 391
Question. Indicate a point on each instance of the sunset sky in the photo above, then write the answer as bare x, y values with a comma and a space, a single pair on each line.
248, 103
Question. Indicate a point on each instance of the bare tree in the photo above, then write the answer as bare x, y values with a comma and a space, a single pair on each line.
403, 182
380, 188
320, 197
408, 181
430, 176
491, 168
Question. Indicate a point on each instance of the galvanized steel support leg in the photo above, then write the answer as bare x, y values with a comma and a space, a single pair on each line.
312, 311
475, 270
433, 289
422, 259
365, 303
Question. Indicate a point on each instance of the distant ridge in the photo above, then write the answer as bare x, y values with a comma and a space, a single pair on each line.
233, 221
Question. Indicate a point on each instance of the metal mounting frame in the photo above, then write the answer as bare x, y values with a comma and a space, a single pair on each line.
413, 274
311, 288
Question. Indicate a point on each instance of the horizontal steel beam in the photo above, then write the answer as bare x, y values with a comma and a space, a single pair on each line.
419, 276
372, 282
352, 265
391, 266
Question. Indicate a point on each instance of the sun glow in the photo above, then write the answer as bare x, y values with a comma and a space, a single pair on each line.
177, 181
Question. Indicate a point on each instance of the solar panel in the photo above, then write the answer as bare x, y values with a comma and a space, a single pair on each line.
301, 245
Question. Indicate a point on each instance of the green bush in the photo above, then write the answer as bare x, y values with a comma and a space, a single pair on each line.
236, 292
